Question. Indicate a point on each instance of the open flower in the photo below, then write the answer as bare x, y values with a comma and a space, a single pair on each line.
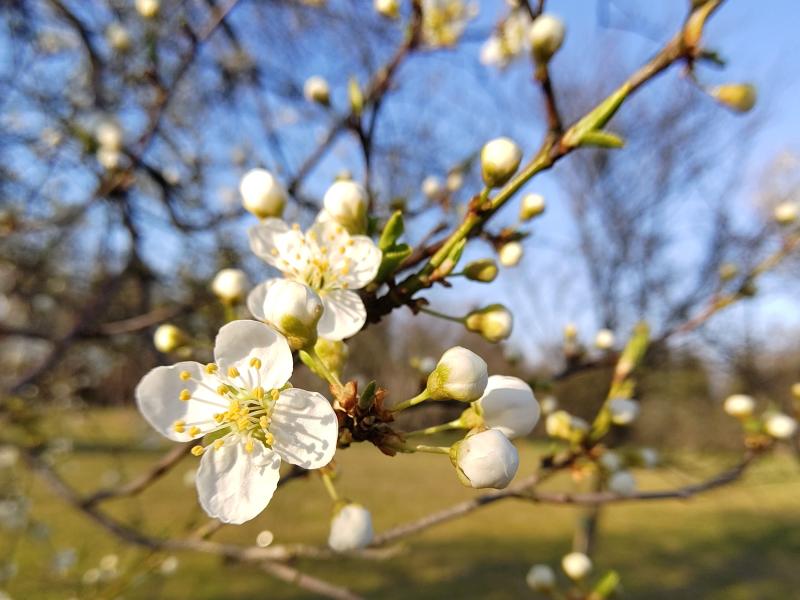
252, 419
328, 260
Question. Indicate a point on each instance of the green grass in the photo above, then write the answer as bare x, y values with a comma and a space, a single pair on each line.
740, 542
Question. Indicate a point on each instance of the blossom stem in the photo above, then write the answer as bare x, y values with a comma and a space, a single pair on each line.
435, 313
329, 375
230, 311
457, 424
327, 481
421, 397
430, 449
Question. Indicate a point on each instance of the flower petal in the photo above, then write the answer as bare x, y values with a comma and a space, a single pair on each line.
234, 486
158, 399
263, 238
239, 342
256, 297
305, 428
344, 315
365, 259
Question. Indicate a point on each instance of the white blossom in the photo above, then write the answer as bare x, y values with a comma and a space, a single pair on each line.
508, 405
532, 205
328, 260
604, 339
262, 194
148, 8
257, 421
486, 459
510, 254
432, 187
387, 8
460, 374
622, 483
786, 213
546, 36
351, 528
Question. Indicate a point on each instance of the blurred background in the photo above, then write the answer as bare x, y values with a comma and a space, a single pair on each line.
99, 246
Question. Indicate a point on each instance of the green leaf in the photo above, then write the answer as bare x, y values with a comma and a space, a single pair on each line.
596, 119
607, 585
392, 231
392, 258
367, 396
602, 139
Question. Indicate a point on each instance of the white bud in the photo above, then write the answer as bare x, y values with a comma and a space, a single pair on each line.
262, 194
230, 285
316, 89
508, 405
563, 425
294, 309
604, 339
168, 338
649, 457
549, 404
118, 37
264, 538
786, 213
570, 331
109, 562
108, 159
169, 565
493, 322
576, 565
454, 181
780, 426
546, 36
623, 411
351, 528
739, 405
510, 254
387, 8
532, 206
541, 578
460, 375
486, 459
610, 461
432, 187
499, 161
148, 8
109, 135
622, 483
346, 203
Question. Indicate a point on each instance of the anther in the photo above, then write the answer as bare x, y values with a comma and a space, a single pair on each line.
179, 427
185, 375
185, 395
198, 450
211, 368
255, 363
194, 431
233, 372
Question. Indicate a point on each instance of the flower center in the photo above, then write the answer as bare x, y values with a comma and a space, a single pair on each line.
246, 409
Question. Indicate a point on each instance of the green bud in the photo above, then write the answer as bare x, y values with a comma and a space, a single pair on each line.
493, 322
740, 97
484, 269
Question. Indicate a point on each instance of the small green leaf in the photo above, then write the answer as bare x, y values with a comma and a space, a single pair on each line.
602, 139
367, 396
392, 231
392, 259
607, 585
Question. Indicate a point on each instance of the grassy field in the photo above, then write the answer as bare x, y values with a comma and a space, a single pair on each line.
740, 542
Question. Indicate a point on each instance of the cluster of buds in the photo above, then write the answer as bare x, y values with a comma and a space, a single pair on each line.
774, 424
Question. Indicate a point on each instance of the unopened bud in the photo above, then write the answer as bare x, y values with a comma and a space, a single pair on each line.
346, 203
484, 269
293, 309
454, 181
316, 89
740, 97
168, 338
510, 254
486, 459
387, 8
728, 271
432, 187
546, 36
541, 578
549, 404
499, 161
230, 285
532, 206
262, 194
610, 461
460, 375
148, 8
623, 411
780, 426
493, 322
604, 339
622, 483
118, 37
565, 426
508, 405
351, 528
739, 405
576, 565
786, 213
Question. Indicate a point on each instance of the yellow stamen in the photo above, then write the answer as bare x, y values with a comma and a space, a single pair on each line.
179, 427
248, 446
218, 444
194, 431
274, 252
233, 372
198, 450
264, 422
185, 395
258, 393
211, 368
255, 363
269, 439
185, 375
222, 389
296, 226
275, 393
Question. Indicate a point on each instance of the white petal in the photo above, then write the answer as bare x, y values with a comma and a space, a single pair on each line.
255, 299
158, 399
263, 238
305, 428
234, 486
240, 341
344, 315
365, 259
